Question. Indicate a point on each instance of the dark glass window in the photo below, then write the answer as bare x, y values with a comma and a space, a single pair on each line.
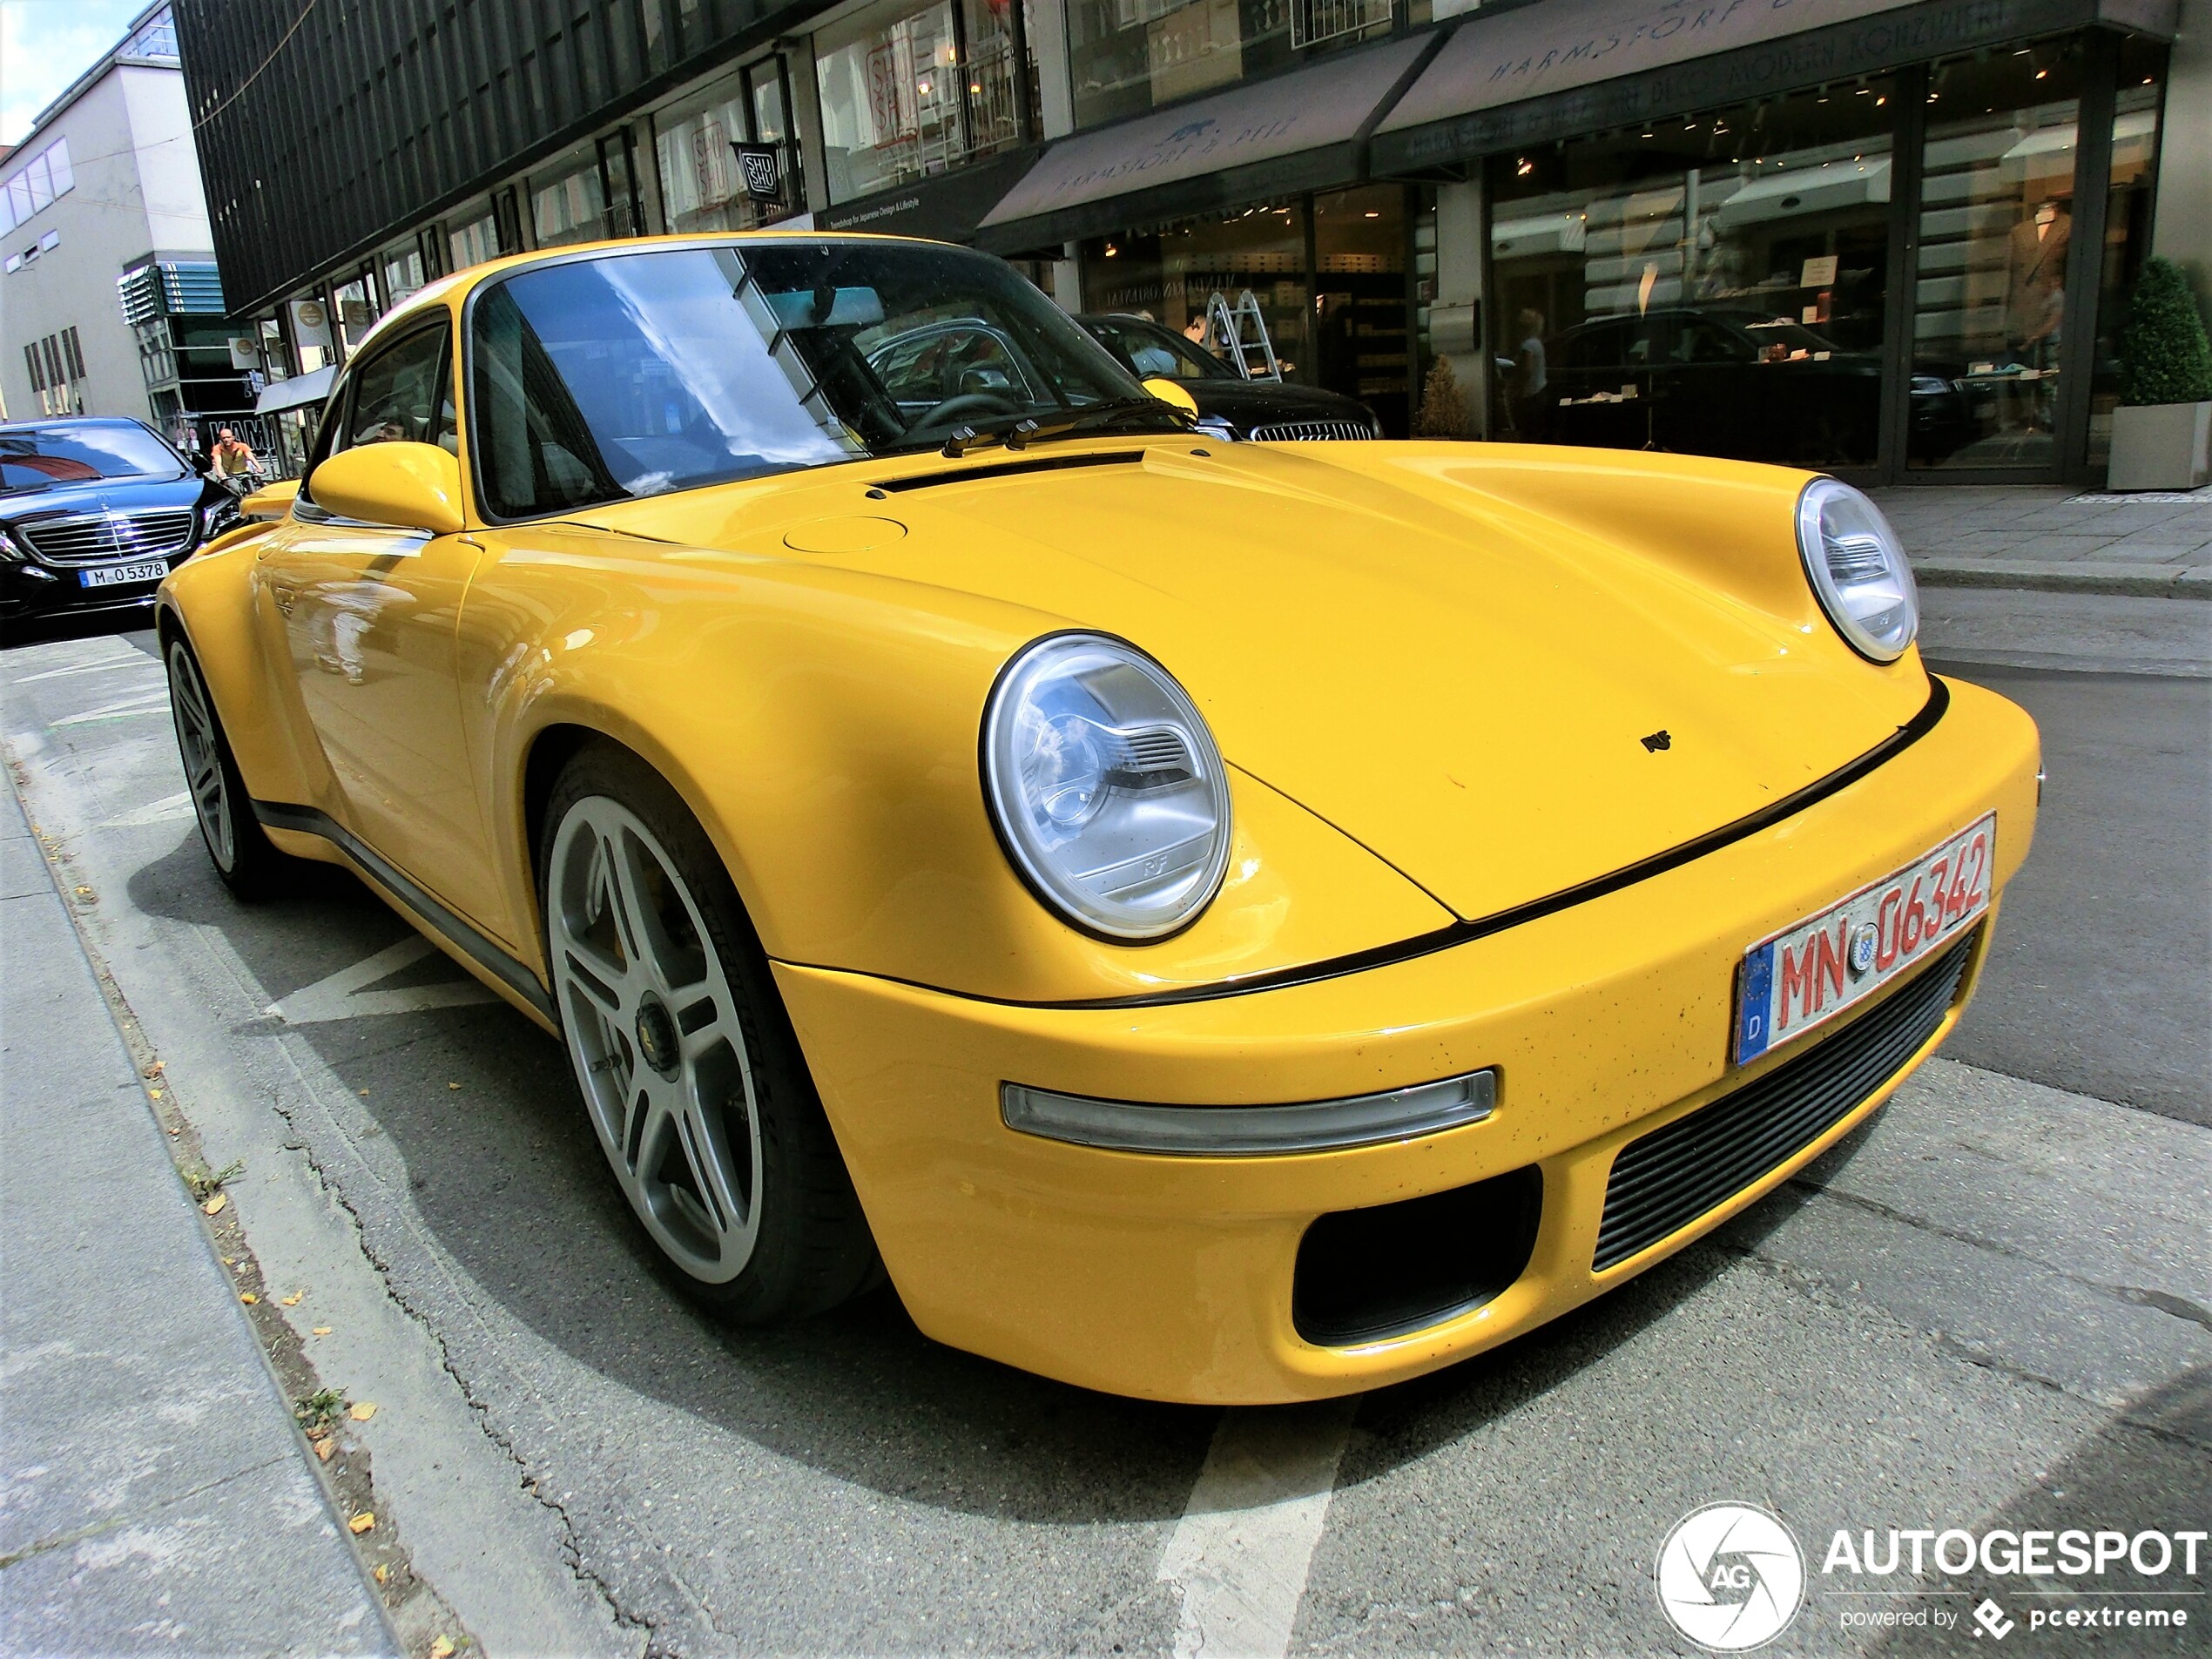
404, 394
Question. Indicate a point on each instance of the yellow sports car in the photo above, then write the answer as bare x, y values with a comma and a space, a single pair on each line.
1216, 921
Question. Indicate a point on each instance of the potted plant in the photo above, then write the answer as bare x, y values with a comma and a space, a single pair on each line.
2162, 433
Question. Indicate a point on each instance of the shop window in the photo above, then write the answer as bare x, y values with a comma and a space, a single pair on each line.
2134, 149
1125, 57
399, 272
1713, 284
473, 241
909, 91
356, 311
570, 204
1172, 276
703, 187
1996, 230
1360, 300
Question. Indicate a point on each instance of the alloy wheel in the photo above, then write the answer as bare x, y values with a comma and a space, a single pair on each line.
201, 750
655, 1033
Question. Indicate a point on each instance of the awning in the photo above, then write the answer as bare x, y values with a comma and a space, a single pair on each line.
1569, 67
1263, 139
300, 390
947, 208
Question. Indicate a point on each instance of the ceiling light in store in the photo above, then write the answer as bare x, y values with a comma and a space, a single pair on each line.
1374, 216
1524, 167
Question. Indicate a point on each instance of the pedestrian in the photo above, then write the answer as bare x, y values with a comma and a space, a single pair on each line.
235, 465
1533, 378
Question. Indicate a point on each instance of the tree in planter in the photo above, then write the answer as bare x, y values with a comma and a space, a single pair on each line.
2166, 356
2162, 433
1443, 412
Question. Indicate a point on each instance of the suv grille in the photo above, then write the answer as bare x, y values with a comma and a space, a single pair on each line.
89, 538
1674, 1175
1312, 431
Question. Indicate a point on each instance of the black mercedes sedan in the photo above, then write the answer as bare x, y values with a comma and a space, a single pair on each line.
93, 512
1230, 405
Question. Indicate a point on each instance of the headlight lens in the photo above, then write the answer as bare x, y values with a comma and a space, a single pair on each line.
10, 550
1858, 568
217, 517
1106, 787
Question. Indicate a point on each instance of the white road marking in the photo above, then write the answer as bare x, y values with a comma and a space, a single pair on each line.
150, 702
104, 665
346, 996
1240, 1554
167, 810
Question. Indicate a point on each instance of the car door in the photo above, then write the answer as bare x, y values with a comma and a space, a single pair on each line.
366, 616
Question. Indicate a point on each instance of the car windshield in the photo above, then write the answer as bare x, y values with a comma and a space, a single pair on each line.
40, 457
634, 373
1780, 330
1150, 348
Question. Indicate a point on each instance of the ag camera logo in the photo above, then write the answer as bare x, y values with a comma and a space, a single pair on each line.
1731, 1577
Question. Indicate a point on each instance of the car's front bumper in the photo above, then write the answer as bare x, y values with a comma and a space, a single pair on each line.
1171, 1277
29, 589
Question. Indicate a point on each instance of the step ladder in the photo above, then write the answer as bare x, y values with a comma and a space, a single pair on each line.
1226, 335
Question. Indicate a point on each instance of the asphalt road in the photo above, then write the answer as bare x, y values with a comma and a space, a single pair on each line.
1988, 1309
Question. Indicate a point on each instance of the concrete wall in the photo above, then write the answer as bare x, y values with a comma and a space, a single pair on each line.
138, 193
2182, 230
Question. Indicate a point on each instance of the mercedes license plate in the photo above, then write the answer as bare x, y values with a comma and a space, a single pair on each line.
118, 576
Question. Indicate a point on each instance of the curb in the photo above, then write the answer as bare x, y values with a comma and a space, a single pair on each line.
2138, 581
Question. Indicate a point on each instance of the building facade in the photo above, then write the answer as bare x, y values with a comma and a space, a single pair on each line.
1890, 239
109, 301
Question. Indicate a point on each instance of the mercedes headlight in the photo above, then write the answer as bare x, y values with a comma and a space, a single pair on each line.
1858, 568
1105, 786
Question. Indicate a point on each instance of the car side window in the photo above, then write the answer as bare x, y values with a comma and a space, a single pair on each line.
1599, 347
403, 394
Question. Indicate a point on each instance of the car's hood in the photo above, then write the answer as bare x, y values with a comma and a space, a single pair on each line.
106, 495
1505, 670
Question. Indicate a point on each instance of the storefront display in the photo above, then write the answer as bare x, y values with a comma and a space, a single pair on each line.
910, 91
704, 181
1172, 276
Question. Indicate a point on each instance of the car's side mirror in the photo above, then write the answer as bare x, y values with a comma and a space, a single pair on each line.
1169, 391
413, 486
271, 501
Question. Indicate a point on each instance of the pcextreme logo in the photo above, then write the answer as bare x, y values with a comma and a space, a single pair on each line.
1731, 1577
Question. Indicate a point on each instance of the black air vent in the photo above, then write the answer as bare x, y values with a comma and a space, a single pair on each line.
1674, 1175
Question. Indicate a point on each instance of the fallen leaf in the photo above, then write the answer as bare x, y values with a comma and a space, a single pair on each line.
228, 1263
248, 1298
292, 1300
361, 1411
323, 1449
319, 1331
453, 1085
382, 1573
442, 1649
155, 1093
214, 1206
361, 1523
178, 1131
84, 890
364, 1094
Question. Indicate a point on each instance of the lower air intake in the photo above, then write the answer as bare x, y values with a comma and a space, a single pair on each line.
1674, 1175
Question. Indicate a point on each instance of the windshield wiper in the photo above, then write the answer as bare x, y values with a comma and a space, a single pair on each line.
1019, 434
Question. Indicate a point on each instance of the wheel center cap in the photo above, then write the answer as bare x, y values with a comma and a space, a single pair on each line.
657, 1038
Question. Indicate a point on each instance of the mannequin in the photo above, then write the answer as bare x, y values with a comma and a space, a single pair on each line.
2036, 296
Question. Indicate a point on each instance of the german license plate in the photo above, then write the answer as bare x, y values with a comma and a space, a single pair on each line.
118, 576
1807, 974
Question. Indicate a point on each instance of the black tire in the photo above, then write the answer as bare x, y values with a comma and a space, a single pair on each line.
241, 852
757, 1129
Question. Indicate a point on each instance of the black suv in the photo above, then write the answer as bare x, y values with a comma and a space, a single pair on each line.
1227, 403
94, 513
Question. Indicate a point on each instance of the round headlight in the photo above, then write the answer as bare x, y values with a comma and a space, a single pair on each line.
1858, 568
1106, 787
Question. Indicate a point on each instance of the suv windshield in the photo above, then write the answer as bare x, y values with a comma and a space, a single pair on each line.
630, 375
40, 457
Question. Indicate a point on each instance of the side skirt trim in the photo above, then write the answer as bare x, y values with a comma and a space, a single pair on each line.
479, 948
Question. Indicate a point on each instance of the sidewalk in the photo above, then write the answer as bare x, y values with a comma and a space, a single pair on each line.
1983, 535
154, 1494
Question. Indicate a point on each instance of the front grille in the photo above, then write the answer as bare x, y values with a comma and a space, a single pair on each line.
93, 539
1673, 1174
1312, 431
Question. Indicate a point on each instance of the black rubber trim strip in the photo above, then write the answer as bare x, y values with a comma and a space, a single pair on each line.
1461, 932
310, 820
1008, 468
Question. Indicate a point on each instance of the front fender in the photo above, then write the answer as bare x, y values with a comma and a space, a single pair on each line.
210, 599
823, 725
